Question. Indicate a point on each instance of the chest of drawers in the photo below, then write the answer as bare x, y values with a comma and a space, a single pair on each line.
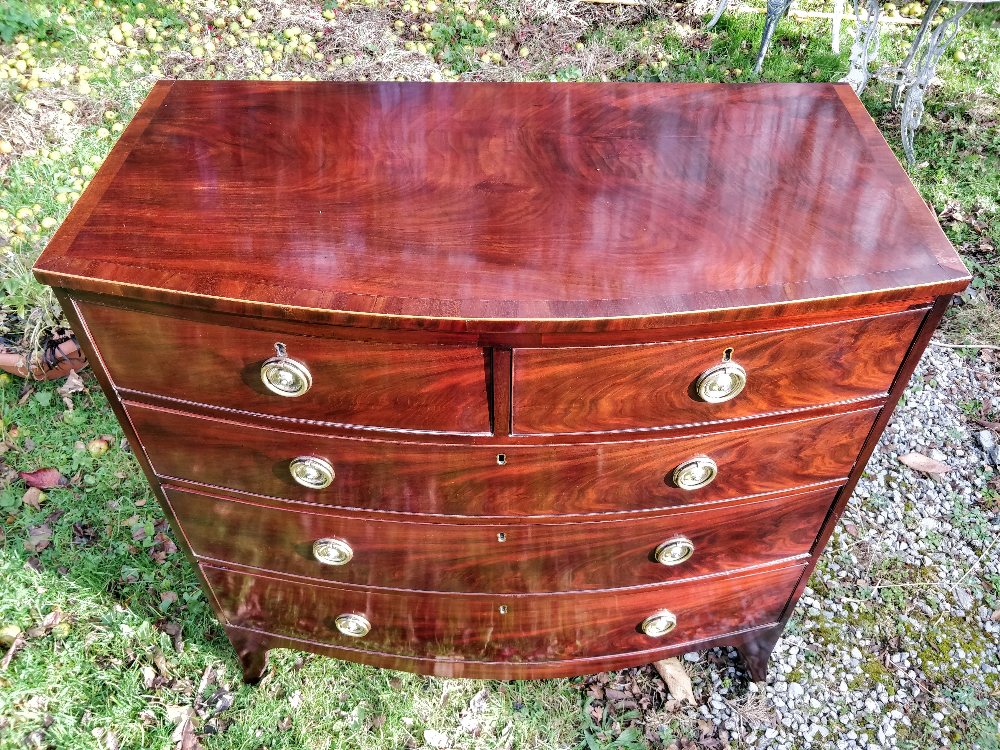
502, 380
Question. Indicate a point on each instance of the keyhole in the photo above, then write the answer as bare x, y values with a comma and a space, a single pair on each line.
728, 354
501, 459
503, 609
501, 537
280, 350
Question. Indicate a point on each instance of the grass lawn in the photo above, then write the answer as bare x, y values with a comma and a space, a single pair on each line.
116, 645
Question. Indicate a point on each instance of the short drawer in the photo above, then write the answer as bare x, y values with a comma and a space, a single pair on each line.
428, 387
597, 389
509, 628
499, 557
499, 480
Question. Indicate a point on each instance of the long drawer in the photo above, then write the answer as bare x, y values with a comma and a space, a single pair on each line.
606, 388
217, 361
514, 557
507, 480
509, 628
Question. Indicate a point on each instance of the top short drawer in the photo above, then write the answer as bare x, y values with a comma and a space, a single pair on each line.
640, 386
216, 361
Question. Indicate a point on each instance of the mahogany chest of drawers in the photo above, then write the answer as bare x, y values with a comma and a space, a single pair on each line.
502, 380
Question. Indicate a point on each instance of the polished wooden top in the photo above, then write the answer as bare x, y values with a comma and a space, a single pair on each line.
500, 206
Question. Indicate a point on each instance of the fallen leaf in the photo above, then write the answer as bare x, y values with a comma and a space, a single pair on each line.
38, 538
851, 529
48, 622
161, 664
678, 681
185, 737
16, 646
33, 497
174, 631
920, 462
73, 384
43, 479
177, 714
964, 598
83, 534
995, 616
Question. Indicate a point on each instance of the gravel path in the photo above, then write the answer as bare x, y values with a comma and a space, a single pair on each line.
868, 664
896, 641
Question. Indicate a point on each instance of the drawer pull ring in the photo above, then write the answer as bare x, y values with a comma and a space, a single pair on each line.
353, 625
722, 382
659, 623
332, 551
674, 551
695, 473
312, 472
285, 376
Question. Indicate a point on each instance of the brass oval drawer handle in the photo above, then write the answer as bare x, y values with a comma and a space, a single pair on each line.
285, 376
720, 383
674, 551
695, 473
312, 472
353, 625
659, 623
332, 551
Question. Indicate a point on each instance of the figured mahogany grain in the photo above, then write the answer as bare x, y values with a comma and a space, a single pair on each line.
511, 557
471, 628
376, 384
456, 479
595, 389
493, 206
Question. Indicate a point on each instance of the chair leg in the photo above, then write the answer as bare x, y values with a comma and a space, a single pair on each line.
718, 13
776, 10
913, 104
865, 46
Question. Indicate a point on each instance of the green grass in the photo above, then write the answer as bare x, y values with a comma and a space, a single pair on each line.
110, 665
100, 570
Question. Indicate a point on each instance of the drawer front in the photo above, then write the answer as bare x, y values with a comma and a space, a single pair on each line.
501, 558
632, 387
468, 480
539, 628
395, 386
